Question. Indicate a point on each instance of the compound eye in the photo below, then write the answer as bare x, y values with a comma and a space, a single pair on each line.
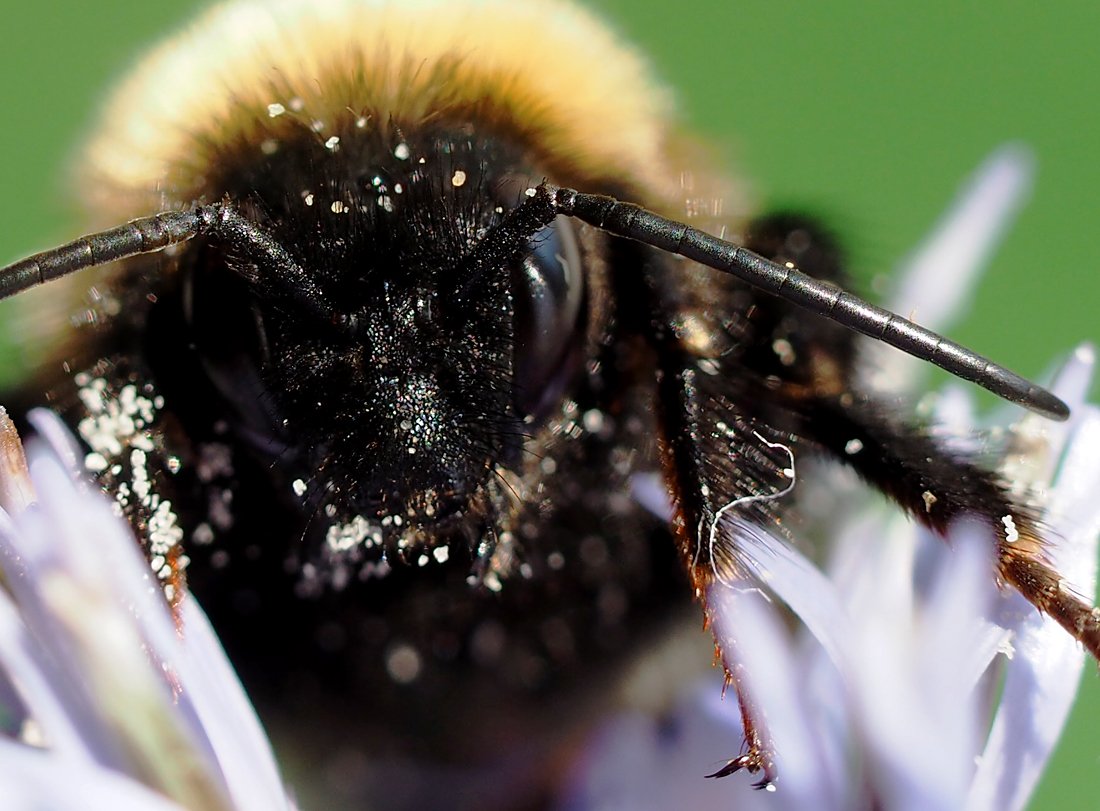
227, 334
549, 292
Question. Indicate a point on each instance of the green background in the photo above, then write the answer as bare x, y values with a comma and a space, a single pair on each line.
868, 112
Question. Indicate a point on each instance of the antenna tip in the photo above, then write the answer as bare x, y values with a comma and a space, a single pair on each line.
1044, 403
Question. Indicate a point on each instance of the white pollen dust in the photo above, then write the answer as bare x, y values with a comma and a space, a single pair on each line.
929, 500
118, 431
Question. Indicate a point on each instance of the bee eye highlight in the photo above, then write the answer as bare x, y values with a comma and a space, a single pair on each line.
549, 292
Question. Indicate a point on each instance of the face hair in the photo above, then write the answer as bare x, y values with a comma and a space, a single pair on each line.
283, 276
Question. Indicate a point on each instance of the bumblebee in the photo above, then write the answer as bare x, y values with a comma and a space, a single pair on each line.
374, 351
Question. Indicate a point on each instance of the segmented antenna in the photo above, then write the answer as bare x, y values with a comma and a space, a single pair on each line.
790, 284
145, 235
282, 274
220, 222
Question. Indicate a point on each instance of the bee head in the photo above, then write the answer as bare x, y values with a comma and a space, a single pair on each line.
385, 345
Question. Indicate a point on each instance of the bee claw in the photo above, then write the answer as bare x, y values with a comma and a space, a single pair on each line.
735, 765
763, 784
752, 761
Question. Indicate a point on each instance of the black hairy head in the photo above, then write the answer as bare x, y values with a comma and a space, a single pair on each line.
409, 401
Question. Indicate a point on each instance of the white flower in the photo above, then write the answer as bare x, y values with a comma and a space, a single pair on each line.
123, 710
888, 698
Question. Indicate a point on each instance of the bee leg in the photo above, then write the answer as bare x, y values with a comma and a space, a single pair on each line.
731, 422
718, 447
938, 485
757, 753
803, 365
714, 456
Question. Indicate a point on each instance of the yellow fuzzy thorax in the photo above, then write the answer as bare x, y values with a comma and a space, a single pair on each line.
579, 98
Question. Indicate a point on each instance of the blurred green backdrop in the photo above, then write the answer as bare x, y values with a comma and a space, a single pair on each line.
870, 112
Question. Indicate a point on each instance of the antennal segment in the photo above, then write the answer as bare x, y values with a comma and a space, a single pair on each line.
788, 283
221, 222
145, 235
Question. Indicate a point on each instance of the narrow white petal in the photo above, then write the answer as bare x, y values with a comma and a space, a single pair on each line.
36, 780
939, 278
87, 604
58, 438
38, 685
638, 761
1041, 680
774, 678
795, 580
102, 663
649, 490
1072, 383
227, 718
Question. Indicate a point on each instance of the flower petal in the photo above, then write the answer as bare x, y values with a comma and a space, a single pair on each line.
31, 780
938, 279
106, 672
1042, 678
